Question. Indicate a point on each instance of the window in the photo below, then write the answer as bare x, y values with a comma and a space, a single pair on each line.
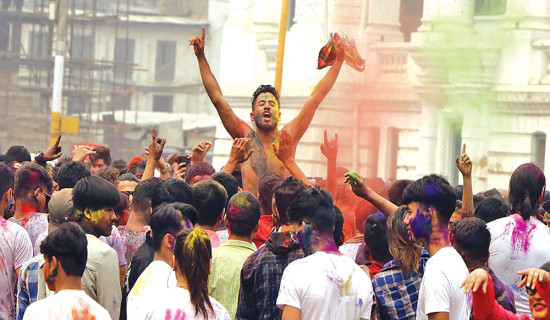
122, 56
539, 149
162, 103
410, 13
81, 46
76, 105
37, 44
490, 7
165, 65
392, 148
119, 101
373, 150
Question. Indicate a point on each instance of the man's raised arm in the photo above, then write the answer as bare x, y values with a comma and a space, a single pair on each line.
298, 126
235, 126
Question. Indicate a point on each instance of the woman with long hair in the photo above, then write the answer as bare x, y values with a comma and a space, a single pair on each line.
189, 299
399, 279
519, 241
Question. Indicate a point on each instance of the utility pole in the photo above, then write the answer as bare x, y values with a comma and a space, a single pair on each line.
281, 45
61, 11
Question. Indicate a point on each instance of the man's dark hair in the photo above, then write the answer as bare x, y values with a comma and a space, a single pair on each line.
210, 198
29, 177
120, 165
149, 193
472, 237
263, 89
491, 208
179, 191
101, 152
266, 189
187, 210
108, 173
70, 172
243, 213
395, 191
94, 193
478, 197
229, 182
285, 194
18, 154
128, 176
6, 178
68, 243
315, 207
198, 168
458, 191
376, 237
338, 227
494, 193
122, 205
165, 220
435, 191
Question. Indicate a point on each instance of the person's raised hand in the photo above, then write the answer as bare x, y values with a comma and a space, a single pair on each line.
53, 152
479, 278
198, 43
357, 184
463, 163
180, 172
239, 152
286, 150
531, 276
337, 46
156, 146
82, 152
200, 151
329, 148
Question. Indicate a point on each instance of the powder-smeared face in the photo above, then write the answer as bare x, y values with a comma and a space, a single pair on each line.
266, 111
419, 221
538, 307
101, 220
97, 164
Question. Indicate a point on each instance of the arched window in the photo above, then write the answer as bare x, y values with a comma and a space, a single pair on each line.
539, 149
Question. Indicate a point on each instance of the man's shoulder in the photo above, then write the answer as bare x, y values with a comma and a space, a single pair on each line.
98, 248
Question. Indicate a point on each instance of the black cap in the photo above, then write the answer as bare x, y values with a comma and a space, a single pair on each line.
18, 154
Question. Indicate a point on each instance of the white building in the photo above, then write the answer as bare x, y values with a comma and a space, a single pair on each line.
474, 72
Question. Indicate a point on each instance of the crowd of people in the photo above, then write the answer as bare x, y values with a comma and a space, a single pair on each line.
169, 237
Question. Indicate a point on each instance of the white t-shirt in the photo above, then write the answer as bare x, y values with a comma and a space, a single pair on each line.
15, 249
440, 289
175, 303
66, 305
158, 275
326, 286
517, 245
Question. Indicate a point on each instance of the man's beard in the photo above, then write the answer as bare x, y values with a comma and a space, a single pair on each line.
264, 126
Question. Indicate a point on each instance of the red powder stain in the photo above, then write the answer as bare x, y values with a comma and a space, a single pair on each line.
235, 212
4, 224
521, 235
179, 315
82, 314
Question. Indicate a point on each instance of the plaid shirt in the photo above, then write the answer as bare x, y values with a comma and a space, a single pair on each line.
397, 294
31, 285
261, 277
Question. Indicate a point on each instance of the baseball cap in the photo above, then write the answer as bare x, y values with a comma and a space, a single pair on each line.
18, 154
60, 207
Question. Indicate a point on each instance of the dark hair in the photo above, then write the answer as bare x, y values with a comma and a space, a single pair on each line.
228, 181
68, 243
94, 193
165, 220
193, 252
478, 197
29, 177
338, 227
6, 178
122, 205
128, 176
526, 185
266, 189
243, 213
435, 191
179, 191
376, 237
18, 154
198, 168
405, 252
493, 193
149, 193
546, 266
70, 172
108, 173
458, 191
101, 152
395, 191
491, 208
210, 198
285, 194
187, 210
315, 207
263, 89
120, 165
472, 237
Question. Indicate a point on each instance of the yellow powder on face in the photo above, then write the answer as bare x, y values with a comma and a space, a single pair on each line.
96, 215
78, 213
